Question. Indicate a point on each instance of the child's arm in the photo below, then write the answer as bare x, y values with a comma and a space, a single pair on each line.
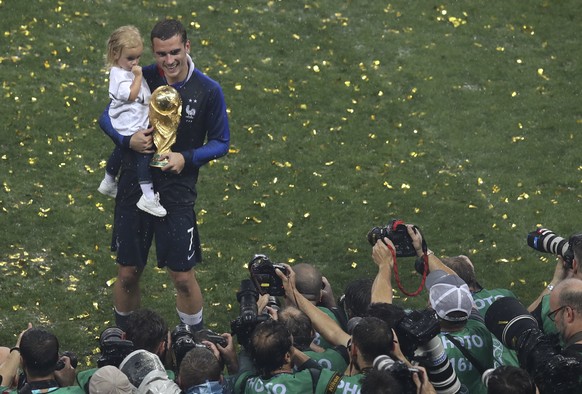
135, 86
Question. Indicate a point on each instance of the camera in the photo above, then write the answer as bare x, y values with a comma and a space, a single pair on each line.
185, 339
72, 356
113, 347
263, 275
419, 341
248, 317
396, 232
399, 370
417, 327
539, 354
546, 241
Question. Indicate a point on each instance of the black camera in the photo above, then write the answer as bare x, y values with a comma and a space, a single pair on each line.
419, 341
248, 317
185, 339
264, 277
546, 241
416, 328
539, 354
113, 347
396, 232
399, 370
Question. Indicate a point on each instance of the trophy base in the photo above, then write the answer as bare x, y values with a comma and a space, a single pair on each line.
158, 161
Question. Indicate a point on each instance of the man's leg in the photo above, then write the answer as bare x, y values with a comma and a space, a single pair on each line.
189, 302
126, 293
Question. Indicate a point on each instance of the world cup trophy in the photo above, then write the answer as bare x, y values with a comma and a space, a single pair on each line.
165, 112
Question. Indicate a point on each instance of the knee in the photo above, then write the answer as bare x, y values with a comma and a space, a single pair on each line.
184, 282
128, 277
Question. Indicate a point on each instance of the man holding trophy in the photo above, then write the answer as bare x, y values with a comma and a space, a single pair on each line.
188, 128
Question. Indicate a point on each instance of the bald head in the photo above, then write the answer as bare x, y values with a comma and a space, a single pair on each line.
308, 281
569, 292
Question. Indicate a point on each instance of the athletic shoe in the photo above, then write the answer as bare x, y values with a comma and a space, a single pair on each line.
108, 188
152, 205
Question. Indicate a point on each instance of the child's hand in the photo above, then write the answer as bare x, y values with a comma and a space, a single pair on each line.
136, 70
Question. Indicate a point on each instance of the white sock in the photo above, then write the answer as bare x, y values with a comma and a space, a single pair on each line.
148, 190
109, 178
191, 320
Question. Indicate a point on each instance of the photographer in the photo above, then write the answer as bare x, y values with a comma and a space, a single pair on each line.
483, 298
566, 312
39, 351
370, 336
569, 254
299, 325
273, 360
554, 369
316, 288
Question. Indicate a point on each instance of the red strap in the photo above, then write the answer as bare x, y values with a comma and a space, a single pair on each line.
397, 277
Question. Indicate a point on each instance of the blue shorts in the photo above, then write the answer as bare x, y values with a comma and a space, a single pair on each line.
176, 235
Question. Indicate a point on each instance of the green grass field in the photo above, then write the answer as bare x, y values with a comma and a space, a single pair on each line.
462, 117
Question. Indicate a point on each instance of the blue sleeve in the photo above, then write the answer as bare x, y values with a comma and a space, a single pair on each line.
218, 137
107, 127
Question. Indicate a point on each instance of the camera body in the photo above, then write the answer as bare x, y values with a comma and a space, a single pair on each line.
248, 317
546, 241
113, 347
417, 328
399, 370
396, 232
263, 275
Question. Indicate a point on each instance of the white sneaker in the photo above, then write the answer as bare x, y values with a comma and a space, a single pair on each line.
152, 206
108, 188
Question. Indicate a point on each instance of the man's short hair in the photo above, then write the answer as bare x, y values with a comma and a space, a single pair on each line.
380, 382
373, 338
357, 296
270, 342
510, 379
575, 243
198, 366
389, 313
146, 329
168, 28
463, 268
299, 325
39, 349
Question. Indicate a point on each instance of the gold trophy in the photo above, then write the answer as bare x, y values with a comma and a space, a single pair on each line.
165, 112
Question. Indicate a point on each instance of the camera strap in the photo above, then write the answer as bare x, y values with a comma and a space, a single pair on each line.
424, 271
476, 363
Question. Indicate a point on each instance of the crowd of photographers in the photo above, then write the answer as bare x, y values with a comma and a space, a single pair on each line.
293, 336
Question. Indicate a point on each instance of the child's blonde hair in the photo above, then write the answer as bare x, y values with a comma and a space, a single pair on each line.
123, 37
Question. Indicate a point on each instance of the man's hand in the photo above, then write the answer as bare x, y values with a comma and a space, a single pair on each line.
288, 282
175, 164
420, 379
142, 141
228, 354
381, 253
416, 238
66, 375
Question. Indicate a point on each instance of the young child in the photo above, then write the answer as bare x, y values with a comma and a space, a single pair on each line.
129, 110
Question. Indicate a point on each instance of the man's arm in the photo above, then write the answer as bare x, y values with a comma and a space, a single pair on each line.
384, 259
9, 368
322, 323
434, 263
560, 273
218, 137
141, 141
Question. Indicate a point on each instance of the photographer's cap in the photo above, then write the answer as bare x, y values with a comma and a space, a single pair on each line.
110, 380
447, 294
